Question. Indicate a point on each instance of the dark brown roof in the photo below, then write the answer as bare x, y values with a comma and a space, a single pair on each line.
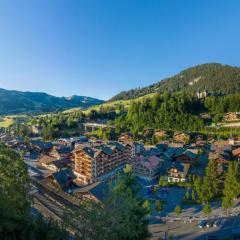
46, 159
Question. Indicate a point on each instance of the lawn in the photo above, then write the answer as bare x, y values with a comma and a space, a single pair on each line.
113, 104
6, 122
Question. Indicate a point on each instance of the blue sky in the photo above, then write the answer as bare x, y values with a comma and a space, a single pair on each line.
101, 47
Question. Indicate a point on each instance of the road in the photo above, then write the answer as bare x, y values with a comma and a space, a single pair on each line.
190, 231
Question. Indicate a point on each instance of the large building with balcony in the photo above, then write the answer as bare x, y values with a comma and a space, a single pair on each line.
99, 161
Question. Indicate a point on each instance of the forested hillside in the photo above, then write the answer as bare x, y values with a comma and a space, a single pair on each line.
175, 111
12, 102
216, 78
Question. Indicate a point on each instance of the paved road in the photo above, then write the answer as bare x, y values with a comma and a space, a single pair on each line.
190, 231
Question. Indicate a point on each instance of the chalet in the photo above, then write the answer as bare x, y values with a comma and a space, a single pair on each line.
35, 129
236, 153
176, 145
153, 151
73, 141
231, 116
162, 146
59, 164
60, 152
200, 141
234, 141
4, 138
63, 179
160, 134
178, 172
40, 146
125, 137
147, 168
206, 116
96, 191
186, 157
181, 137
46, 160
220, 156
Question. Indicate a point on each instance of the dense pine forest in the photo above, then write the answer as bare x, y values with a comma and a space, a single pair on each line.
176, 111
216, 78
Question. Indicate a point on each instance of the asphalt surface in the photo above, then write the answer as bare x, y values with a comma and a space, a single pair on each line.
190, 231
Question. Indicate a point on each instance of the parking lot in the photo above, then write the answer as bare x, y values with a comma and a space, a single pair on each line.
181, 230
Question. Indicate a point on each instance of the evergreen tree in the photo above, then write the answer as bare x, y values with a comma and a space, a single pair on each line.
187, 195
231, 185
147, 206
207, 209
178, 210
161, 182
193, 196
158, 206
211, 186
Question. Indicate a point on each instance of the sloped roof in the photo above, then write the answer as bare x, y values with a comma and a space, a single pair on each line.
64, 177
181, 167
61, 163
148, 162
236, 151
46, 159
98, 190
107, 148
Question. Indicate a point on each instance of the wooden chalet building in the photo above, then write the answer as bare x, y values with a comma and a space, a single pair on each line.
181, 137
178, 172
186, 157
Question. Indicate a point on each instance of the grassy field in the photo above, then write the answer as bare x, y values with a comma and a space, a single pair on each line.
125, 103
7, 121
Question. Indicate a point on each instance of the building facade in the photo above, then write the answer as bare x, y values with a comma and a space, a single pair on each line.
99, 161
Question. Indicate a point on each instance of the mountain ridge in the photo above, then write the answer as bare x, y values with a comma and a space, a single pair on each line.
13, 101
214, 77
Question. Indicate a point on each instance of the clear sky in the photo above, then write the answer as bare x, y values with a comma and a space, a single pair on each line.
100, 47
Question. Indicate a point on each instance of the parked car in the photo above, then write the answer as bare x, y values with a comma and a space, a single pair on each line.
222, 223
209, 223
202, 224
216, 223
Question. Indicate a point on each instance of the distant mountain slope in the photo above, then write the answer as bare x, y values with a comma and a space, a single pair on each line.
214, 77
18, 102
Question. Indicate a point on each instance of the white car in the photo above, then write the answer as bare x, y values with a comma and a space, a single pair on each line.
216, 223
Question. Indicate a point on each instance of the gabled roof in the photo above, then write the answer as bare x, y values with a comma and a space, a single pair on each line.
236, 152
46, 159
61, 163
41, 144
64, 177
63, 150
148, 162
94, 151
187, 153
181, 167
99, 190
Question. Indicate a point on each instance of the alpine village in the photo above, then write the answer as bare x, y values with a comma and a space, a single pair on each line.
159, 162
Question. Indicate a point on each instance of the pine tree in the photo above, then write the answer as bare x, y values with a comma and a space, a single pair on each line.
207, 209
193, 195
211, 187
161, 182
178, 210
187, 195
231, 185
147, 206
158, 206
